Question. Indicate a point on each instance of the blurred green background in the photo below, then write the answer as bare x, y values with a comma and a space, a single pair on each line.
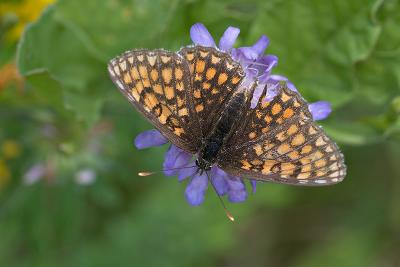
69, 193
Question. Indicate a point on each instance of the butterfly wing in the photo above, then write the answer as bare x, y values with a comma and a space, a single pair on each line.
215, 76
157, 83
280, 142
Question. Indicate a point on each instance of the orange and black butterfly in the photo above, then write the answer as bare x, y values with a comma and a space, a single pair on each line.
197, 99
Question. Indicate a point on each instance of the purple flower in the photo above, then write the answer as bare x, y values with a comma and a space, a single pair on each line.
228, 39
201, 36
175, 158
180, 163
257, 66
196, 189
320, 110
150, 138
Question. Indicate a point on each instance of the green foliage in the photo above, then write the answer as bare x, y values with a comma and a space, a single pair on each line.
70, 117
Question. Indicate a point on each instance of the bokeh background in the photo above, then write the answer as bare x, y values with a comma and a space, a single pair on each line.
69, 192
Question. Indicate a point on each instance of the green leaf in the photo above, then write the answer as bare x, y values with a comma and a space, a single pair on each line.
50, 47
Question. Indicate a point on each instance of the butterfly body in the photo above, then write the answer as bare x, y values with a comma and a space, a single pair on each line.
223, 129
197, 99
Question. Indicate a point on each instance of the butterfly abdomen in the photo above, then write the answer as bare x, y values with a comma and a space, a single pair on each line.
222, 129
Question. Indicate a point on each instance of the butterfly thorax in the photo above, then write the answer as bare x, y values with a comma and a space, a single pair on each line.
223, 129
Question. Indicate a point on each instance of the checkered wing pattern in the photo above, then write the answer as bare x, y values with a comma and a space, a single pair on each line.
279, 142
214, 78
157, 83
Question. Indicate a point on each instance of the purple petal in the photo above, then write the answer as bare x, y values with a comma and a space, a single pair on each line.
236, 189
175, 158
320, 110
200, 35
187, 172
236, 54
246, 53
149, 138
267, 63
277, 78
291, 86
272, 91
196, 189
228, 38
257, 94
251, 53
253, 184
251, 74
260, 46
218, 178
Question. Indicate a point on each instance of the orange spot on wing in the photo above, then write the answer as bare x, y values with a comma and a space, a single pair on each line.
298, 140
215, 59
285, 97
178, 74
206, 86
189, 56
200, 65
199, 107
283, 148
235, 80
197, 93
222, 78
135, 94
143, 72
258, 149
183, 112
276, 108
210, 73
252, 135
167, 75
287, 113
268, 164
158, 89
127, 78
150, 100
245, 165
135, 74
178, 131
306, 149
169, 92
179, 86
154, 74
292, 129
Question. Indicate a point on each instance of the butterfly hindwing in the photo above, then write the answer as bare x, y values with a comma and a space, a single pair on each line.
157, 83
215, 76
280, 142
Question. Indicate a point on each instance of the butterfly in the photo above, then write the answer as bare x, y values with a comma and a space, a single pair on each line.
198, 100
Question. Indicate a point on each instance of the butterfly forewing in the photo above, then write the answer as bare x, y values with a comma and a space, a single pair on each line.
280, 142
214, 78
157, 83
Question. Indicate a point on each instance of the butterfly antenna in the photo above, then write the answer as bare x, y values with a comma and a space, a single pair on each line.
172, 169
228, 214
